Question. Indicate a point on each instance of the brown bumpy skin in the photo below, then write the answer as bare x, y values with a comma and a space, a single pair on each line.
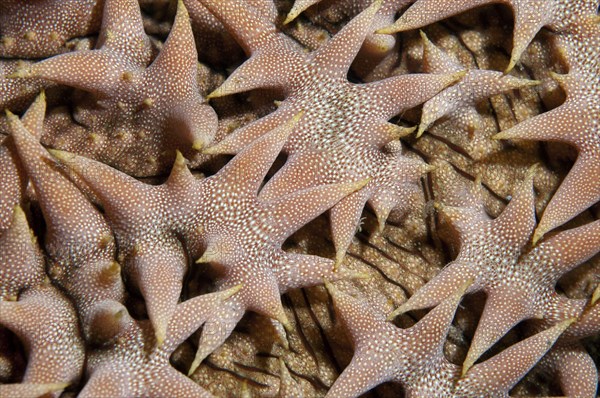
299, 198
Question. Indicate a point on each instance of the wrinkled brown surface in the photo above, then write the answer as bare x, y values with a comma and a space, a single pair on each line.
410, 251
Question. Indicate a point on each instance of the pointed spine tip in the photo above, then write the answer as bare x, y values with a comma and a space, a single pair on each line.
195, 364
181, 9
330, 288
11, 116
211, 254
422, 128
386, 30
179, 159
390, 29
396, 131
406, 131
41, 98
57, 386
289, 126
468, 363
560, 79
19, 215
111, 272
457, 296
511, 65
361, 184
198, 145
296, 118
500, 136
62, 156
232, 291
51, 388
201, 355
455, 77
398, 311
127, 76
160, 333
120, 314
595, 296
211, 150
564, 325
538, 235
203, 259
293, 14
428, 168
339, 259
215, 94
465, 286
19, 220
466, 366
148, 103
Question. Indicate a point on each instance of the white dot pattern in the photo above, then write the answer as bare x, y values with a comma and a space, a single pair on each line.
414, 357
42, 28
149, 108
132, 365
47, 324
78, 239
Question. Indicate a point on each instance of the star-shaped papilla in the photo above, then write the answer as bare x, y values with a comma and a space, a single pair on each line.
374, 44
345, 129
530, 16
22, 264
143, 112
78, 239
130, 364
13, 179
586, 312
37, 29
242, 235
573, 368
498, 375
142, 218
149, 221
47, 324
575, 122
458, 101
518, 284
414, 357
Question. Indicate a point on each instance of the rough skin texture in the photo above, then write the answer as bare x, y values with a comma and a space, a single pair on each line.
497, 186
